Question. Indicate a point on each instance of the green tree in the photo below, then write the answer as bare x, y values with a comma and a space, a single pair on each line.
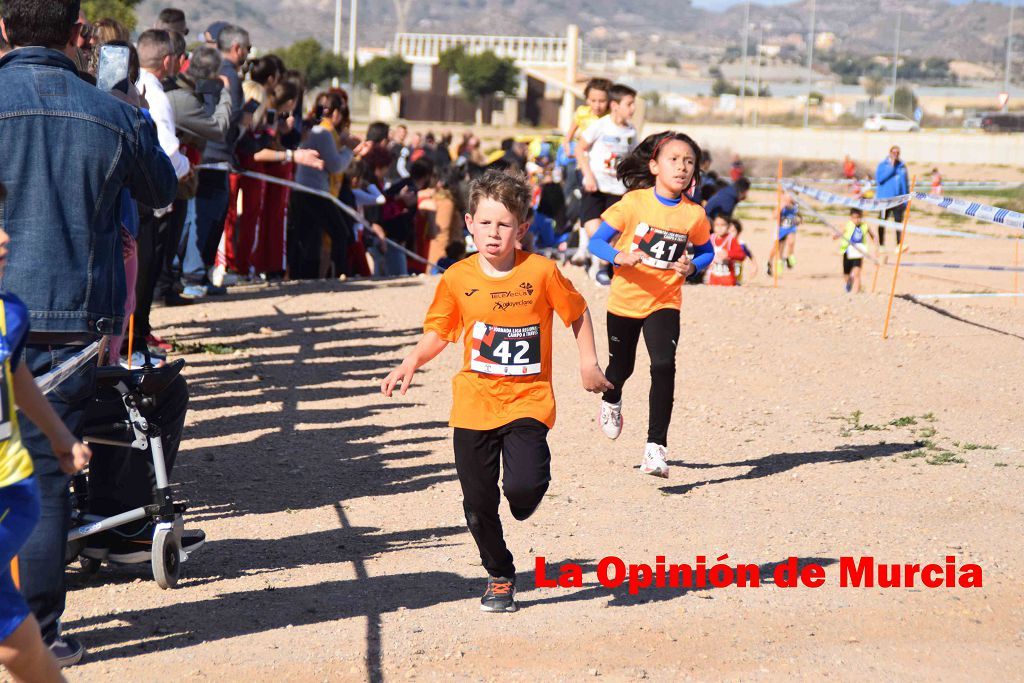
385, 74
481, 75
904, 100
123, 11
672, 63
316, 64
873, 86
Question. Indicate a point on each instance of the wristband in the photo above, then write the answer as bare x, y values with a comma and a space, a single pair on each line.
289, 155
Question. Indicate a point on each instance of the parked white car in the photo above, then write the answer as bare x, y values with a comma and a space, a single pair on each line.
891, 122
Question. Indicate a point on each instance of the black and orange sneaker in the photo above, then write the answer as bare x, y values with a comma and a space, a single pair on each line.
500, 595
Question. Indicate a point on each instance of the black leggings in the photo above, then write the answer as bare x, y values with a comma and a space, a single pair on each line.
661, 334
521, 447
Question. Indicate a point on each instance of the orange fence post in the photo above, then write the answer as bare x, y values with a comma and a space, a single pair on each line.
775, 229
899, 257
131, 338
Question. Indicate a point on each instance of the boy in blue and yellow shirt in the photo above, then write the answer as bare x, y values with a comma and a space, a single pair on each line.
22, 650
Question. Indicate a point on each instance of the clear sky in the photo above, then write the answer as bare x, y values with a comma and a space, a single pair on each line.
723, 4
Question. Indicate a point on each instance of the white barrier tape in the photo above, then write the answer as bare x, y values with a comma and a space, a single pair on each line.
356, 216
939, 232
841, 200
965, 266
984, 212
969, 295
946, 184
53, 378
839, 233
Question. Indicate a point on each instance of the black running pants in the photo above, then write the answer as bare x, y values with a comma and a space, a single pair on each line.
661, 334
521, 448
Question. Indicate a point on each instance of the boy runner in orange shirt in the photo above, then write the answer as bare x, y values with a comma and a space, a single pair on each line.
501, 301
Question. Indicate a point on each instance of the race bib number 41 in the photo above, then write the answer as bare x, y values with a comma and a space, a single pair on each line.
505, 350
660, 248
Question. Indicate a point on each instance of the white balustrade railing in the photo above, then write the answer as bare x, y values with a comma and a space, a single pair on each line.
426, 48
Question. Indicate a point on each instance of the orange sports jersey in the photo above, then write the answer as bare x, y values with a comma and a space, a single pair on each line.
505, 324
660, 232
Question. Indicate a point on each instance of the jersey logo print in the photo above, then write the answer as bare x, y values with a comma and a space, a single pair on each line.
471, 292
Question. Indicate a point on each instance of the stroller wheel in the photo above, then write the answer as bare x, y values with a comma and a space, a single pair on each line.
166, 558
89, 565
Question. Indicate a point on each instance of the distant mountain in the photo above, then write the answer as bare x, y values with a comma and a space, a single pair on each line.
973, 31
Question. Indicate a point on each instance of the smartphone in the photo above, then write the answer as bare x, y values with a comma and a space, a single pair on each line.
112, 72
271, 117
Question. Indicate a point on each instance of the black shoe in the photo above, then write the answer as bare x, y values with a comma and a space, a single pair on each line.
67, 651
175, 299
138, 549
500, 595
214, 290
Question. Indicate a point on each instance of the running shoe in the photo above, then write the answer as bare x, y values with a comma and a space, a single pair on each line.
155, 341
500, 595
67, 651
219, 277
791, 262
603, 278
654, 461
611, 419
193, 292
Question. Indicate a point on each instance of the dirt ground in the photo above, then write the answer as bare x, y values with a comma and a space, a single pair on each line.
337, 547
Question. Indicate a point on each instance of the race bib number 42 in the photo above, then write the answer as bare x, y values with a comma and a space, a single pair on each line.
505, 350
660, 248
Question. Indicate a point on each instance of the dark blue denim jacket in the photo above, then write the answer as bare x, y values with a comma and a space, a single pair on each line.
66, 151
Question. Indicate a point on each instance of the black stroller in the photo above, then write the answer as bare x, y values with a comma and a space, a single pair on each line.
136, 390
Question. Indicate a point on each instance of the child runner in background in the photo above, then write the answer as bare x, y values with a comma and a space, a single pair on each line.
936, 183
736, 230
789, 219
728, 253
501, 301
650, 228
854, 248
603, 145
596, 95
22, 650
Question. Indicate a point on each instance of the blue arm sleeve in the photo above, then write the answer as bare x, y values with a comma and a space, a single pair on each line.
600, 243
703, 255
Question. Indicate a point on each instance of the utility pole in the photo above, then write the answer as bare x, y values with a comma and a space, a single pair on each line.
743, 88
757, 72
336, 47
1009, 57
810, 64
895, 61
352, 45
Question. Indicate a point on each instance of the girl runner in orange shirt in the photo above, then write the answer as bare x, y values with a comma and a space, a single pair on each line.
650, 228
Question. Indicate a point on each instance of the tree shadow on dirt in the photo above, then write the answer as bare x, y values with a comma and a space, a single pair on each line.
777, 463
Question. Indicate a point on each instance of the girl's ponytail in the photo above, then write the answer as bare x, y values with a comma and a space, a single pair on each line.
635, 170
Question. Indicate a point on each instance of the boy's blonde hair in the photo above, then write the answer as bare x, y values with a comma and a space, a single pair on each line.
509, 188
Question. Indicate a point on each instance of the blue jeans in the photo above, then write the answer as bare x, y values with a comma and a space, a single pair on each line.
190, 258
41, 559
389, 263
212, 199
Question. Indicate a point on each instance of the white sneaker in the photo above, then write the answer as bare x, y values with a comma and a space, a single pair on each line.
219, 277
193, 292
611, 419
654, 461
